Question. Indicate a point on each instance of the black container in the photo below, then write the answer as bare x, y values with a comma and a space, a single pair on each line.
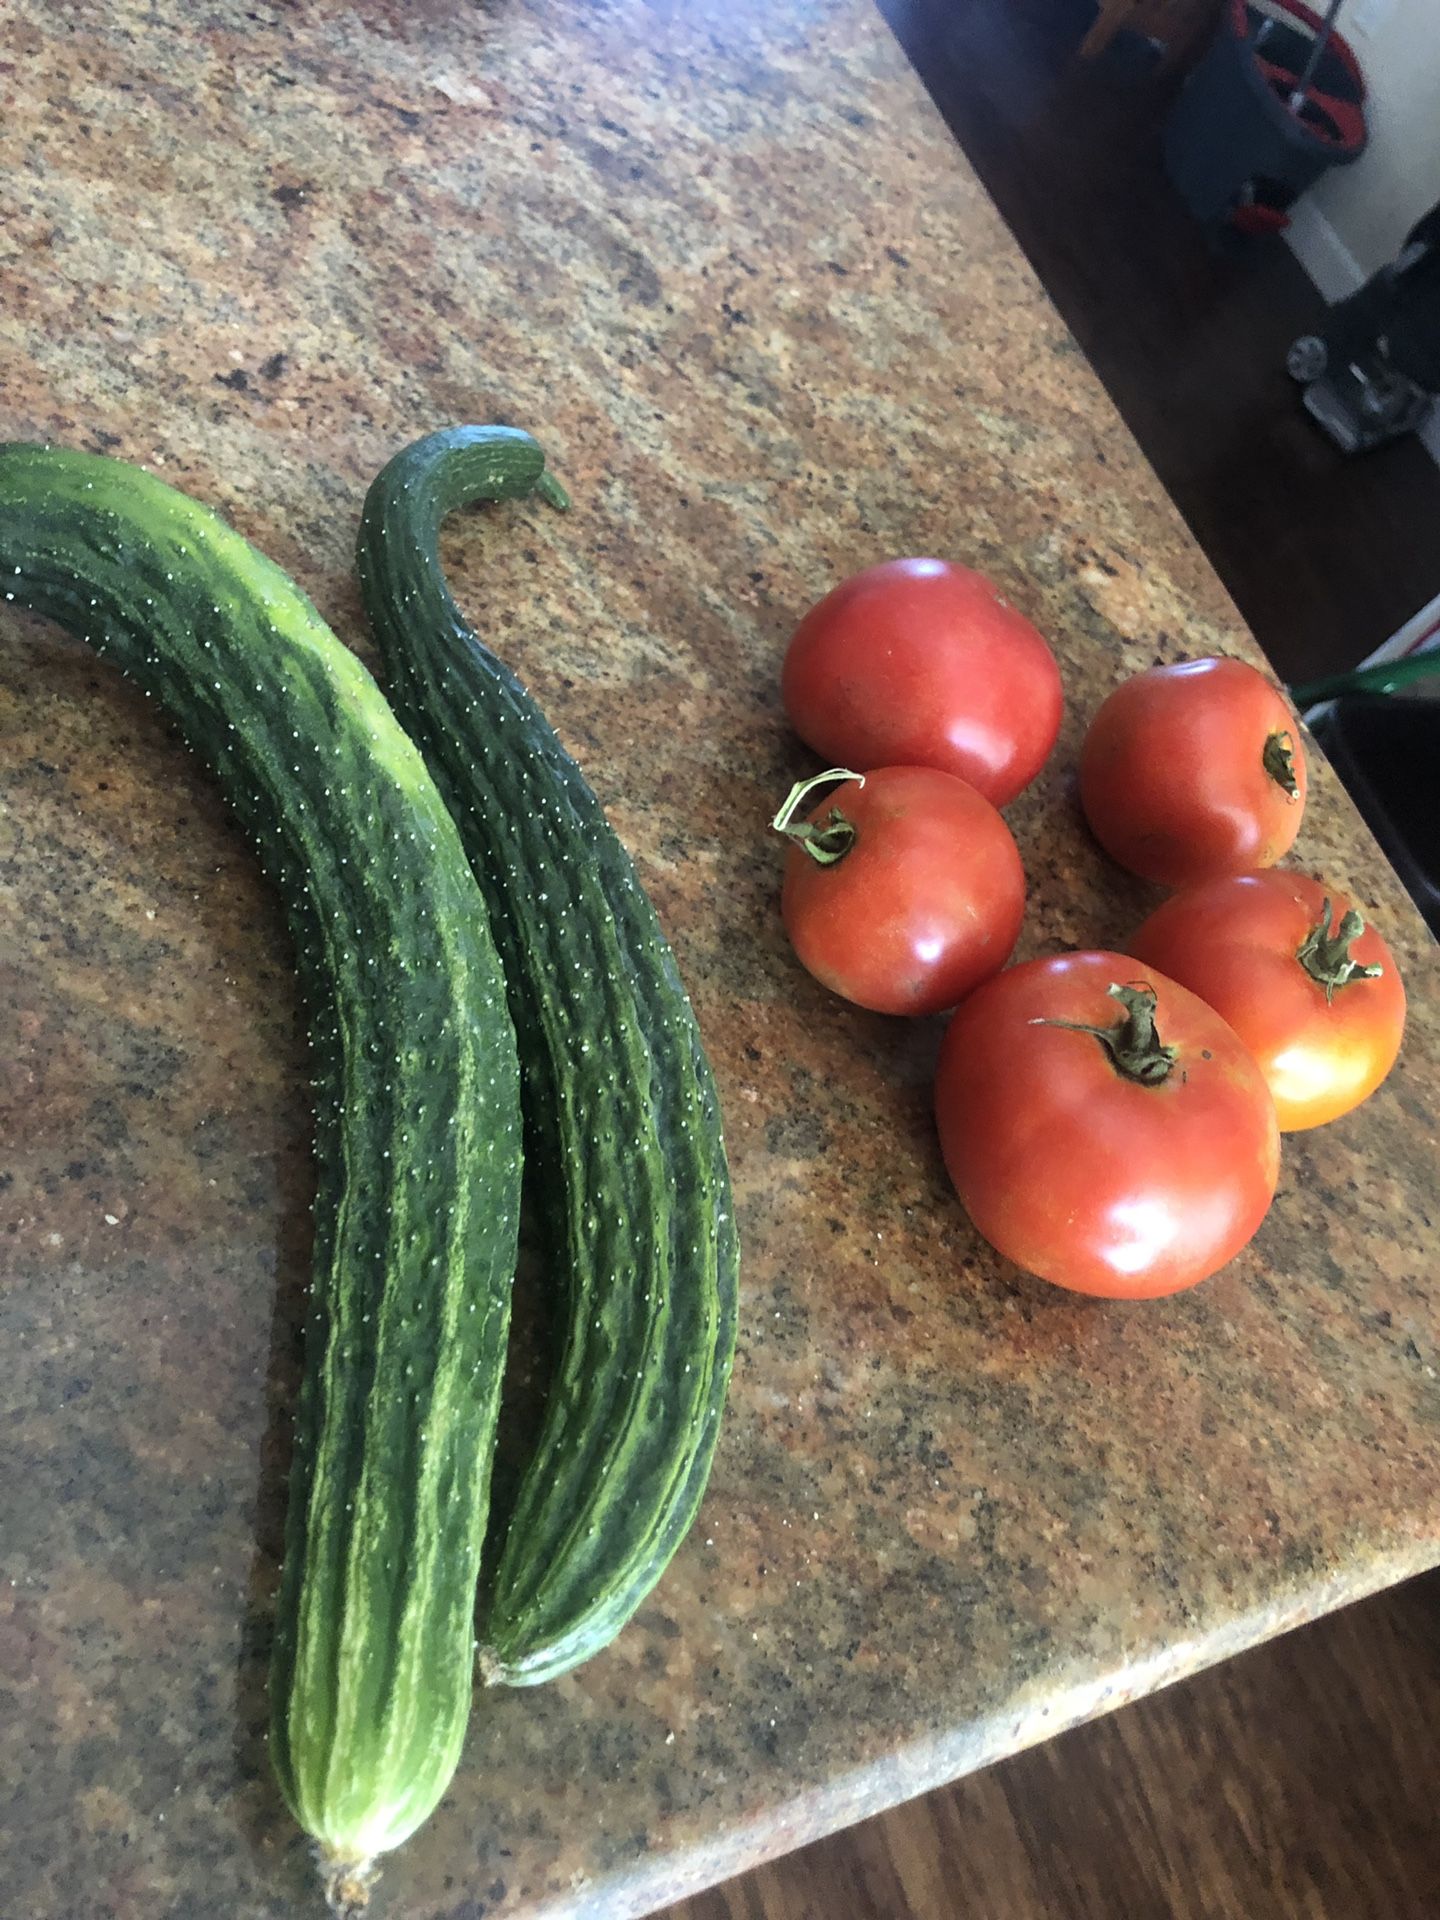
1232, 139
1386, 749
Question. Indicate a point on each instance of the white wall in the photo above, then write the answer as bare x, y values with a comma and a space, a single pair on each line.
1355, 218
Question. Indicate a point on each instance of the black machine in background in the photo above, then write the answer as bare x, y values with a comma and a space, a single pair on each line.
1372, 371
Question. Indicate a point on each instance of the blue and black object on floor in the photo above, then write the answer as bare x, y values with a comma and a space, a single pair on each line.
1277, 100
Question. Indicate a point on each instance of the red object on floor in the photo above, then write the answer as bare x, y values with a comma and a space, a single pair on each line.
1260, 219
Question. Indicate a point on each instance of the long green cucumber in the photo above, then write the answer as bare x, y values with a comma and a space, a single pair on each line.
622, 1126
418, 1133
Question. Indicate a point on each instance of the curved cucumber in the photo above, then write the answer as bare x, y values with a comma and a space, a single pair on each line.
622, 1125
418, 1123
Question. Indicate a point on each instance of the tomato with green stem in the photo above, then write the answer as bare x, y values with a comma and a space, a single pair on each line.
1193, 770
1292, 966
903, 891
1104, 1128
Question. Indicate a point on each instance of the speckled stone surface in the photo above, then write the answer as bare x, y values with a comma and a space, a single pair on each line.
725, 260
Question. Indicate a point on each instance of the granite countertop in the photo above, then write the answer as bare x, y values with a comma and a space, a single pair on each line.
722, 256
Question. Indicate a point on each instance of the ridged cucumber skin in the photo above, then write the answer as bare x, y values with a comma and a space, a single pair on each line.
418, 1143
623, 1134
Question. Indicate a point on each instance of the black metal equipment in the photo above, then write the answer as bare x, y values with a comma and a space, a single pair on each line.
1372, 371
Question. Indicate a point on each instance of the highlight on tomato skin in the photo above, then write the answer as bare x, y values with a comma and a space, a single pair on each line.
903, 888
1293, 966
921, 662
1193, 770
1103, 1127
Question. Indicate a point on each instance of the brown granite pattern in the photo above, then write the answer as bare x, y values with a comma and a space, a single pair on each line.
725, 260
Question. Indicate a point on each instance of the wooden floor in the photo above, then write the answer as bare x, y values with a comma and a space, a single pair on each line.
1326, 556
1299, 1782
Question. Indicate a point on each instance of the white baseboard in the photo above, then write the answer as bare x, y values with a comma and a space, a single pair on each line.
1321, 251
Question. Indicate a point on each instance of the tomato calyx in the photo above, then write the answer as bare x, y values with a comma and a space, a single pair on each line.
1325, 953
1278, 760
824, 844
1135, 1048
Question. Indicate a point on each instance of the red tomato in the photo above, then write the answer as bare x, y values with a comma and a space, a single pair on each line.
1076, 1169
1270, 953
1194, 770
923, 902
921, 663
